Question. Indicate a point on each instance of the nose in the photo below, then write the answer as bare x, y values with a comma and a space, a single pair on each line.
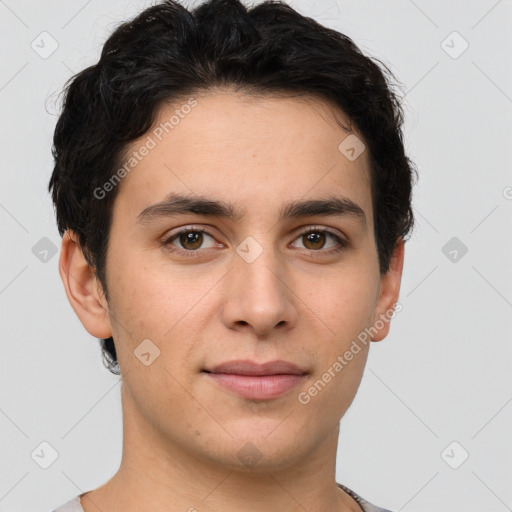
259, 295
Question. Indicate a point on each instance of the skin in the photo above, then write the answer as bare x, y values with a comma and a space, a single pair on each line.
182, 432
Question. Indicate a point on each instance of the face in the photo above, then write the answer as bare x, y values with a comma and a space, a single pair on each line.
259, 282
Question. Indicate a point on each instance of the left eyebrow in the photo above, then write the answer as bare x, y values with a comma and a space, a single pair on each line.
332, 206
179, 204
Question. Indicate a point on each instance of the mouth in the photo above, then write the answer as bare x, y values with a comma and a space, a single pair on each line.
256, 381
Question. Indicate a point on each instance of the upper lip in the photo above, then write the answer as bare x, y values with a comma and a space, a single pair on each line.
246, 367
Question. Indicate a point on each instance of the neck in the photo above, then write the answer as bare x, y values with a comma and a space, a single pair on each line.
158, 474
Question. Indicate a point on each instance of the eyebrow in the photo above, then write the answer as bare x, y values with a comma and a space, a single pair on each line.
178, 204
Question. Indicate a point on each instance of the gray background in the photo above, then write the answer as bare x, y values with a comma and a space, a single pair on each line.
442, 375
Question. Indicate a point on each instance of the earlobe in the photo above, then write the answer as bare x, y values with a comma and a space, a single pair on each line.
389, 292
82, 288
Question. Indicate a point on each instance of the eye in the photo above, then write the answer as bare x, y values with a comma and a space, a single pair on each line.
314, 238
190, 239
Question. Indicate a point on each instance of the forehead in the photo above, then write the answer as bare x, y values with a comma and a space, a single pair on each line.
249, 151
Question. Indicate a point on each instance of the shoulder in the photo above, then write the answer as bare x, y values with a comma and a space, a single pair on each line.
73, 505
366, 506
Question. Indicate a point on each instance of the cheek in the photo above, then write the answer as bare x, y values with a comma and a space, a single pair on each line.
330, 392
151, 297
168, 306
342, 303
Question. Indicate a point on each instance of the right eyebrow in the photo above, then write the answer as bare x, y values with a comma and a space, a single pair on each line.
176, 204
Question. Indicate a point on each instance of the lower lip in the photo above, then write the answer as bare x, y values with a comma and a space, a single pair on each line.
257, 387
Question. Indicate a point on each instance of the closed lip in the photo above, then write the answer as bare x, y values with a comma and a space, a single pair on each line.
247, 367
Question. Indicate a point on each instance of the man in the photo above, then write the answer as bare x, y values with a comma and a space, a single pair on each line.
234, 196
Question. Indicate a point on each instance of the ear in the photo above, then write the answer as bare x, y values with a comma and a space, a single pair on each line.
83, 289
389, 292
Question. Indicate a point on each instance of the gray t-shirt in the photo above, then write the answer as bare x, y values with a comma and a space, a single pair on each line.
73, 505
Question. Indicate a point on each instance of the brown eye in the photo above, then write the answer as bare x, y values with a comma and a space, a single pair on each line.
189, 240
194, 238
314, 240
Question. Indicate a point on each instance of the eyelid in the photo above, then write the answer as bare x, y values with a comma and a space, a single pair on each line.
313, 228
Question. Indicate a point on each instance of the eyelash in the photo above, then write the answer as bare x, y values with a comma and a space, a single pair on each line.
342, 244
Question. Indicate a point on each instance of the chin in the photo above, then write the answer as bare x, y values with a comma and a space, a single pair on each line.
266, 446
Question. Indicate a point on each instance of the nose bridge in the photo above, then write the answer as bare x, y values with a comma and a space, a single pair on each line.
258, 265
258, 294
